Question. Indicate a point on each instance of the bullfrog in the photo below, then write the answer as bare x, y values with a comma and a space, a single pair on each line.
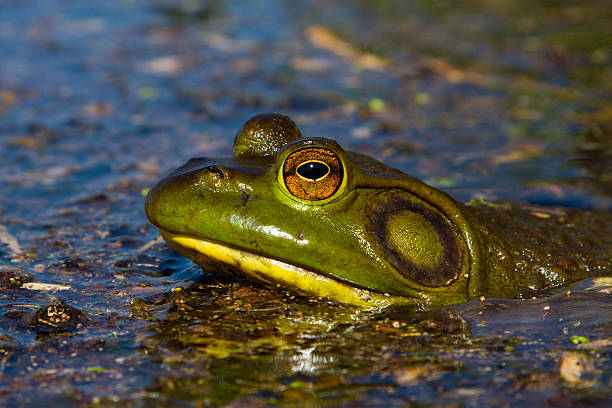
306, 215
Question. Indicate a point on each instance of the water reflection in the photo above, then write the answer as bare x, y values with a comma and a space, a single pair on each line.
307, 361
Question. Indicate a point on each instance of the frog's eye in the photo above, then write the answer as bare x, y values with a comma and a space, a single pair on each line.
312, 173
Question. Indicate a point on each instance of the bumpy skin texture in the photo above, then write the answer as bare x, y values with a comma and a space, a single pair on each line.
378, 230
528, 250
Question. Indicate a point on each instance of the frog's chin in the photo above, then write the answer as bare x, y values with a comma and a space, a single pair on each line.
215, 256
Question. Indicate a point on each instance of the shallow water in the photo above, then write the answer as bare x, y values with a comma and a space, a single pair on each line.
97, 101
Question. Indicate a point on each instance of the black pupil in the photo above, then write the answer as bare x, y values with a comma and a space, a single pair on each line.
313, 170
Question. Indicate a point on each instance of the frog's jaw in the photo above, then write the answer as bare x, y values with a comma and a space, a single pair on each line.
209, 254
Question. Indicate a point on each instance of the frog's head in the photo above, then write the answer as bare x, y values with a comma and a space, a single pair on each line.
305, 214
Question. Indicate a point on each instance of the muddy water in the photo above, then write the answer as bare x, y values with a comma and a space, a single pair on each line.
97, 101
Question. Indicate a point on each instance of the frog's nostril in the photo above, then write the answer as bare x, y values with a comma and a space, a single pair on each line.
217, 170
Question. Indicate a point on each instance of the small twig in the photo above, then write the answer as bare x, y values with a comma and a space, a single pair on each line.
45, 286
11, 242
150, 244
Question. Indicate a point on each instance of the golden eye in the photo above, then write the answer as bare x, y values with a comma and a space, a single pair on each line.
313, 173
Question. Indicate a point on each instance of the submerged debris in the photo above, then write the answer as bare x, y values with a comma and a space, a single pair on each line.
58, 316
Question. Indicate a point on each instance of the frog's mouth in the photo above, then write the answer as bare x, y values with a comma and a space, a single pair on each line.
216, 256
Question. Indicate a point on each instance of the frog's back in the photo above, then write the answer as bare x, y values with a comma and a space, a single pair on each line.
534, 248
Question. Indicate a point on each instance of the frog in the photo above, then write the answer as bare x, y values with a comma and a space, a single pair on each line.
304, 215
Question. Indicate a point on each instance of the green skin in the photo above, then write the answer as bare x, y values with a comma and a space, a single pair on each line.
382, 231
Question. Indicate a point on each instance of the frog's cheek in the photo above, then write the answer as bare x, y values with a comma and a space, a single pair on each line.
421, 243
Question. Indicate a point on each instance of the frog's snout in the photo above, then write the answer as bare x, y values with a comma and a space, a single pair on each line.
197, 180
151, 203
165, 200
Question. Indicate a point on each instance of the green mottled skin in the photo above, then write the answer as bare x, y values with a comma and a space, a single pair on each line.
532, 249
500, 251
